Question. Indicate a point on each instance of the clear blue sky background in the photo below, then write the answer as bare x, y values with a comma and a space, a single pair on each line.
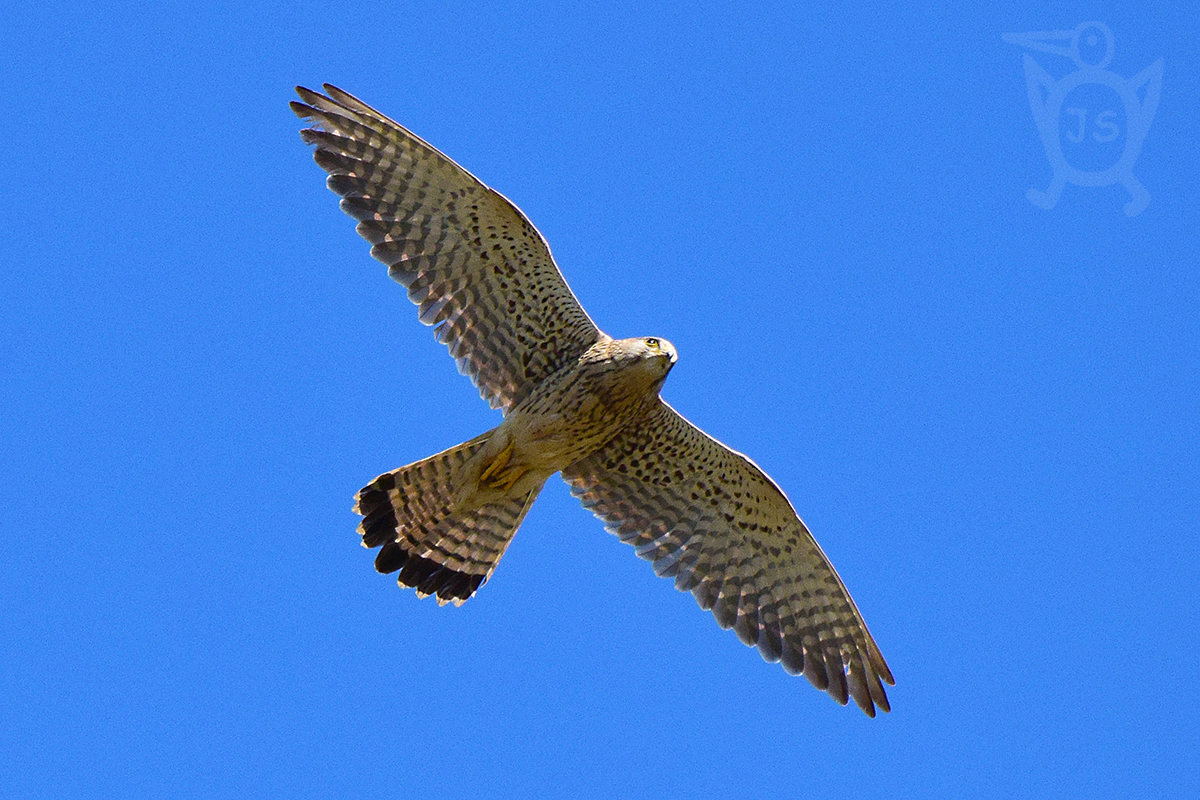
986, 411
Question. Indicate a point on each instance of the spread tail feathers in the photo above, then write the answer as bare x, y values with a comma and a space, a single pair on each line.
438, 549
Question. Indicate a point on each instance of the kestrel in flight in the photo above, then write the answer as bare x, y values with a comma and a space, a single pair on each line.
575, 401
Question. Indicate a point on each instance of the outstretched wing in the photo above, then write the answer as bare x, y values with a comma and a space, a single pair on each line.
478, 269
714, 521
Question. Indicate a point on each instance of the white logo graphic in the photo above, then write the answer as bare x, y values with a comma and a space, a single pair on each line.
1091, 121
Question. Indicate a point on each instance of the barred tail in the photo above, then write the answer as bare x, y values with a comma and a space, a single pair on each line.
437, 549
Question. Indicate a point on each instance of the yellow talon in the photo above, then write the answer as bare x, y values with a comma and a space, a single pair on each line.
500, 473
506, 479
494, 469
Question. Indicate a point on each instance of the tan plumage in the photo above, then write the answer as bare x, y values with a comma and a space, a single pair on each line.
575, 401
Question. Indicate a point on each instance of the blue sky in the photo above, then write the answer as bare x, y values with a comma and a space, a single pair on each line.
985, 410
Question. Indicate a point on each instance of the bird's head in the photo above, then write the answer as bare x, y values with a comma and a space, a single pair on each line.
659, 352
648, 356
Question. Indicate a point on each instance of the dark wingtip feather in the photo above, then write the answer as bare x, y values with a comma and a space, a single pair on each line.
344, 98
302, 110
875, 687
837, 679
879, 695
308, 95
884, 671
351, 103
347, 185
334, 162
814, 670
770, 641
857, 685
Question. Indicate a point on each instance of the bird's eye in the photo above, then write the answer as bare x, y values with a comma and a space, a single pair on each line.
652, 342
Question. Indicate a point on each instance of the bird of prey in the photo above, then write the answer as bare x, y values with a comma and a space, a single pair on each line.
575, 401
